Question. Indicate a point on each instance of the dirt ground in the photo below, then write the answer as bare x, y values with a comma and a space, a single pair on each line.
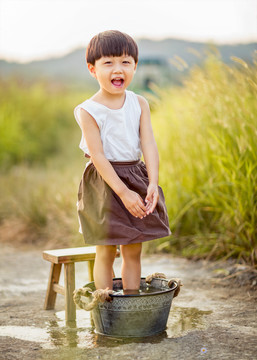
214, 316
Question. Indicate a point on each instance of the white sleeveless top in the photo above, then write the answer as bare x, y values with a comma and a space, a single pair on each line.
119, 129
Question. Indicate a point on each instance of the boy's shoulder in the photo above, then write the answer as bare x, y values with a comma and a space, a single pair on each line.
141, 99
138, 100
142, 102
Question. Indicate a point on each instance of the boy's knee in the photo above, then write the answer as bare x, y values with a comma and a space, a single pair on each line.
106, 252
131, 251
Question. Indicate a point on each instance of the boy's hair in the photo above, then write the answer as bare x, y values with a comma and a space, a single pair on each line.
111, 43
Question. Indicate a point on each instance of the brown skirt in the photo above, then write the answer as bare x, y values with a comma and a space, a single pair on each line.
104, 219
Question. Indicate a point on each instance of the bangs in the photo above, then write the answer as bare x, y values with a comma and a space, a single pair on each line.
111, 43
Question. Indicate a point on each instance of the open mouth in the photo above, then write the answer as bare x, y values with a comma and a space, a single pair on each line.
117, 82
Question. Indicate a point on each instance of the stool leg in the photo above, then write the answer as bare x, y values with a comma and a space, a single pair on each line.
69, 286
91, 270
53, 279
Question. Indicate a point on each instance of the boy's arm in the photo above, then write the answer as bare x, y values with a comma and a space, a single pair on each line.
131, 199
150, 153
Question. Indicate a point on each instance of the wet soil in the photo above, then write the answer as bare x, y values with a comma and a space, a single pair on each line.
213, 317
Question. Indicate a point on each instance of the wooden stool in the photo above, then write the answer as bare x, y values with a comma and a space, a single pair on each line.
67, 257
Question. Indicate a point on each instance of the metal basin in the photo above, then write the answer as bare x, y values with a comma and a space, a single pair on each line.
136, 315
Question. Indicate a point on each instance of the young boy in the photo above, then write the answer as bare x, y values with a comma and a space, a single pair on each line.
120, 202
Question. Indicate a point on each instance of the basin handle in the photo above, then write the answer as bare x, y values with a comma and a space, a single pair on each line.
178, 283
99, 295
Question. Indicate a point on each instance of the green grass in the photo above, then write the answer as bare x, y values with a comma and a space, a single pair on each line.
207, 139
35, 121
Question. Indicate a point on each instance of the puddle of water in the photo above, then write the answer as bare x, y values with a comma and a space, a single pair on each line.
51, 337
183, 319
81, 333
83, 319
27, 333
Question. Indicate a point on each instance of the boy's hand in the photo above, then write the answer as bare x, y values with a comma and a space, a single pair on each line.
152, 198
133, 203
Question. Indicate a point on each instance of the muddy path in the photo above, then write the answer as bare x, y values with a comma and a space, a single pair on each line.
214, 316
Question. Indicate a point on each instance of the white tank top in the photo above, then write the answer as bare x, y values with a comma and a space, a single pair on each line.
119, 129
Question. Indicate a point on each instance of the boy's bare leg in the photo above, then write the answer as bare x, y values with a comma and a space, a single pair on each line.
131, 266
105, 255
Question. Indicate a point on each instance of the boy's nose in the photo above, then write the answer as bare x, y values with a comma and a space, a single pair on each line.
117, 69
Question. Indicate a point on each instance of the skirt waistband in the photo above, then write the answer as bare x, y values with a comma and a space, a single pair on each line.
125, 163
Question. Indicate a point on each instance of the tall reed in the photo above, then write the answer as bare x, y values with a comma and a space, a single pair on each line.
207, 138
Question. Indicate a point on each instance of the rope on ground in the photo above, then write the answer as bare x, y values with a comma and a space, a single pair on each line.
157, 275
99, 295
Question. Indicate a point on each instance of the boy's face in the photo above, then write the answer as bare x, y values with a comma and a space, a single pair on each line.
114, 73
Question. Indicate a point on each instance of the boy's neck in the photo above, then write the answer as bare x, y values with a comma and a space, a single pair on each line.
112, 101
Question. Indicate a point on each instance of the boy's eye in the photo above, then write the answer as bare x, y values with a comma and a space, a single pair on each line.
107, 62
126, 62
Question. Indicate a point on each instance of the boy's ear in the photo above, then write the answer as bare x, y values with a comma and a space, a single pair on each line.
91, 69
135, 67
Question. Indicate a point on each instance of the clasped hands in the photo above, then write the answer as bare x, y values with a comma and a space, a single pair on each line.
136, 205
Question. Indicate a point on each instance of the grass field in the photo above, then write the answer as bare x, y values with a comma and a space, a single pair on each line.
207, 138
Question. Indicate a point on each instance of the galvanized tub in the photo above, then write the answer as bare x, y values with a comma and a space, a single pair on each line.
136, 315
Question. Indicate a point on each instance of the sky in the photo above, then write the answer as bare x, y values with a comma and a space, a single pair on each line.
38, 29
